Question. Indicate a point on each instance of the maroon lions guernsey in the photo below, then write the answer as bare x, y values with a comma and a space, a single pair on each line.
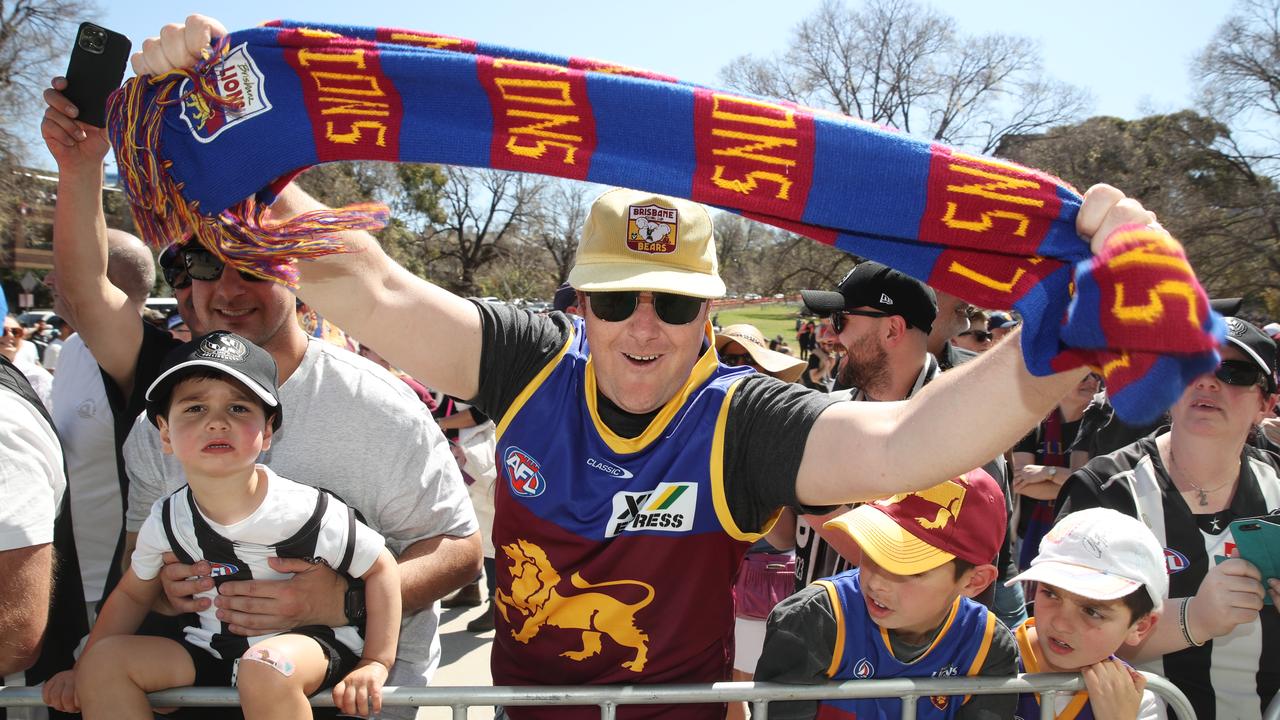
615, 556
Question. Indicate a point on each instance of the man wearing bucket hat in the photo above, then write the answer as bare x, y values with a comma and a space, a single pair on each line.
627, 450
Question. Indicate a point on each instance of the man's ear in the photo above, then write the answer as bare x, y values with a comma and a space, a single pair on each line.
1142, 628
163, 425
977, 579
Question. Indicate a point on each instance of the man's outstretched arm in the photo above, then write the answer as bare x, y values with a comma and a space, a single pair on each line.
912, 445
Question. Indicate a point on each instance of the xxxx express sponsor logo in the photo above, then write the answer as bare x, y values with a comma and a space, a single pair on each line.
670, 507
524, 473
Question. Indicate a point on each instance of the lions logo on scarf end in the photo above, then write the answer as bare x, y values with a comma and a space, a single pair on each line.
239, 80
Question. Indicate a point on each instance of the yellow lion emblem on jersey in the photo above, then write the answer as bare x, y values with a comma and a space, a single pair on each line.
533, 593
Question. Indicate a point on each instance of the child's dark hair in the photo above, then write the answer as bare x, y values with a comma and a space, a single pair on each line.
961, 567
163, 402
1139, 603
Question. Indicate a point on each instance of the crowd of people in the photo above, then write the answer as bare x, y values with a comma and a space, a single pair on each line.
272, 492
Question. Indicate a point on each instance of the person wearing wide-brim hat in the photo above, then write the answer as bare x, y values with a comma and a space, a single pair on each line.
744, 343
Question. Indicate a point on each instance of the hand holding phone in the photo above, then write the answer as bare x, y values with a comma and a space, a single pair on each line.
96, 68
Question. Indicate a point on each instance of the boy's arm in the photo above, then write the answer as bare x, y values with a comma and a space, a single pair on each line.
799, 641
382, 605
126, 607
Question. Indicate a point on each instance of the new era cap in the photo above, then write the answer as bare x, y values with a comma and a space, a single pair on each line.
1256, 346
871, 284
999, 320
226, 353
1101, 554
640, 241
916, 532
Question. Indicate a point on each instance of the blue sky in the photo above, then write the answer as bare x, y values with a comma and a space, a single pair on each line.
1133, 56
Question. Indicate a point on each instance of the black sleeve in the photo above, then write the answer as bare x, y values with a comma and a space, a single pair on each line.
768, 425
516, 345
1029, 442
1001, 661
1084, 490
799, 640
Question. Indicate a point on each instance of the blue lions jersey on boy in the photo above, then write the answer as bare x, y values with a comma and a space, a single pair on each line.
863, 652
594, 533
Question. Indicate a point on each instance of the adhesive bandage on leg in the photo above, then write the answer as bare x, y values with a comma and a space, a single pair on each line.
270, 657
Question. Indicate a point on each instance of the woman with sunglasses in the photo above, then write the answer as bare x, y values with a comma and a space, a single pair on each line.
11, 346
1217, 641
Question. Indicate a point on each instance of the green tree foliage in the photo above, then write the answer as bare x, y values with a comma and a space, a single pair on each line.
1213, 201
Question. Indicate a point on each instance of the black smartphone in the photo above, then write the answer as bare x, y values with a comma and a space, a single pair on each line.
98, 59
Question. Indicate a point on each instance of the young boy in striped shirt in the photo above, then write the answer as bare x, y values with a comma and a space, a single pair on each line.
216, 406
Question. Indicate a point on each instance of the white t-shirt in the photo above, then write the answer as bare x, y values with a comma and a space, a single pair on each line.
40, 379
51, 353
84, 420
356, 430
31, 478
284, 511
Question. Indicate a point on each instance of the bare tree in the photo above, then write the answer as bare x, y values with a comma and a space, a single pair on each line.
486, 213
907, 66
561, 215
35, 39
1238, 74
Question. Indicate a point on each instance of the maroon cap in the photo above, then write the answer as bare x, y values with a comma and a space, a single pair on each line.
911, 533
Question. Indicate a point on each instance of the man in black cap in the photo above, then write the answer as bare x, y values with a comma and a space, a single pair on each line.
882, 318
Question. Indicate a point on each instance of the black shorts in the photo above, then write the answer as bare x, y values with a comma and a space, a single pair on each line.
214, 672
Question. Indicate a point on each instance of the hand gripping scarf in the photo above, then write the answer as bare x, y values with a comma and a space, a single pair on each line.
205, 150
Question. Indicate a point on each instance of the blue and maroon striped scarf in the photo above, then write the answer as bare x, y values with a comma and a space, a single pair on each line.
203, 151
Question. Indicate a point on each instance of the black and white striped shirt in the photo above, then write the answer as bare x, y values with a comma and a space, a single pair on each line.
1233, 676
293, 521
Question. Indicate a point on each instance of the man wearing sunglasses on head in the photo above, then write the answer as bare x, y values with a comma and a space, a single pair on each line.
1188, 483
357, 431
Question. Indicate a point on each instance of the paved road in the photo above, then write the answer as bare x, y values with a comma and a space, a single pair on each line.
464, 661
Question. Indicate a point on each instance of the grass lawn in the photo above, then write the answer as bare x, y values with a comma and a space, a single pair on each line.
772, 318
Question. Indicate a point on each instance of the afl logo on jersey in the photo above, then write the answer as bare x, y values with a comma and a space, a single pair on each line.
864, 669
524, 473
1174, 561
217, 570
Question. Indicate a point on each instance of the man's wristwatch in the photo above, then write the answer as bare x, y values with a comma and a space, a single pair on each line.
353, 602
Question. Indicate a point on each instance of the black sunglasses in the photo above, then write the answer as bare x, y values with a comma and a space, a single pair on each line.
204, 265
671, 308
837, 318
979, 335
1239, 373
736, 359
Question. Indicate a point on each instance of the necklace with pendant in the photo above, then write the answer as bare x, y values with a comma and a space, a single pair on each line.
1202, 494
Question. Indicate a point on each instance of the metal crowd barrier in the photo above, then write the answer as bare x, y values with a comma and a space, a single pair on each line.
609, 697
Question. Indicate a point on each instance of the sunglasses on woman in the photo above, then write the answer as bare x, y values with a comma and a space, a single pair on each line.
736, 359
204, 265
1239, 373
672, 309
837, 318
979, 335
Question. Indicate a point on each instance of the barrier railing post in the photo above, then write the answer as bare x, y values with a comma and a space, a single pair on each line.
1048, 704
609, 697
